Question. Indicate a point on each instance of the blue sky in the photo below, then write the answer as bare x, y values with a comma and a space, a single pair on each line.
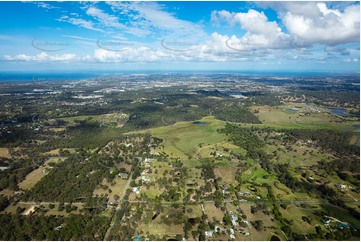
252, 36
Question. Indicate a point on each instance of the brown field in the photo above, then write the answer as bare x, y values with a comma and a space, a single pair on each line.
4, 152
227, 173
196, 211
12, 208
117, 189
157, 227
212, 211
7, 192
33, 177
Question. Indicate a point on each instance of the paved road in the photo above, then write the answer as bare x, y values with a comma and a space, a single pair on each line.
118, 207
47, 203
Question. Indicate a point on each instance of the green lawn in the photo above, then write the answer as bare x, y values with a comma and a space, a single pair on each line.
183, 139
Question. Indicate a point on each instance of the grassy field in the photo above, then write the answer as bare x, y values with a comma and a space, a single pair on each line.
213, 212
190, 141
306, 116
157, 227
56, 151
105, 119
117, 189
33, 177
268, 224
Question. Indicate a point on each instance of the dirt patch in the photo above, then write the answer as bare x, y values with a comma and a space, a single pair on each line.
29, 211
4, 152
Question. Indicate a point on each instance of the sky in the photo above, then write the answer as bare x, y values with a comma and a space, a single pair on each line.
244, 36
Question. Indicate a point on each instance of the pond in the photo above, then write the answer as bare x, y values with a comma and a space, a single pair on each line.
200, 123
339, 111
291, 111
275, 238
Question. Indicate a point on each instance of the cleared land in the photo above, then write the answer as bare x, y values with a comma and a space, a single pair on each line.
303, 116
4, 152
33, 177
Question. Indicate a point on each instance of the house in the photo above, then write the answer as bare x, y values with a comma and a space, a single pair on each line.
146, 171
136, 190
218, 229
231, 234
224, 189
208, 233
145, 179
123, 175
341, 186
234, 220
58, 228
326, 221
343, 226
243, 193
219, 154
148, 161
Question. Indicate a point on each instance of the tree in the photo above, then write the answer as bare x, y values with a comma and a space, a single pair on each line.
116, 197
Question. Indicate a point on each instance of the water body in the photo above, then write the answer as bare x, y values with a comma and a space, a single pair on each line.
339, 111
291, 111
200, 123
275, 238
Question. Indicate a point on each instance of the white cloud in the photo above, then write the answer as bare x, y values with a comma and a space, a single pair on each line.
341, 51
79, 22
140, 54
79, 37
44, 5
260, 33
146, 16
42, 57
352, 60
104, 18
317, 23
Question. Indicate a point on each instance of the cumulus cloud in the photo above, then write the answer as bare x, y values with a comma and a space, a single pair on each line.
260, 33
317, 23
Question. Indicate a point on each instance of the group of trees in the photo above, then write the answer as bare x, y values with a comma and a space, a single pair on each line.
74, 227
329, 140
